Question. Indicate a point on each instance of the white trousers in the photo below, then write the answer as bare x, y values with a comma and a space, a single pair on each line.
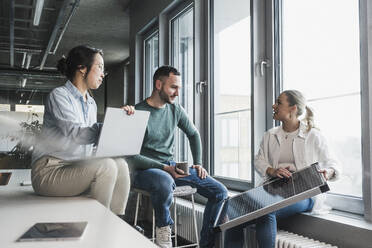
106, 180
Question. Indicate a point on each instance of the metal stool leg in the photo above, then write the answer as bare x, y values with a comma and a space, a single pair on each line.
175, 221
195, 224
137, 206
153, 225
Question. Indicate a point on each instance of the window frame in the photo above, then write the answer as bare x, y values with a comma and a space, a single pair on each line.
151, 33
181, 141
259, 83
147, 34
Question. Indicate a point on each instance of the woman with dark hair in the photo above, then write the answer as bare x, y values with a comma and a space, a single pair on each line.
287, 148
70, 130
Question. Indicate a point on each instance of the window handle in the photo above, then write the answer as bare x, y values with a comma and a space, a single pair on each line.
264, 63
200, 86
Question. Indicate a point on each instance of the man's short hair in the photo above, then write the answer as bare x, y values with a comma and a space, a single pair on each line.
164, 71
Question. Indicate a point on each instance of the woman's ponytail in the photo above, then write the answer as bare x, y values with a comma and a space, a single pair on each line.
309, 118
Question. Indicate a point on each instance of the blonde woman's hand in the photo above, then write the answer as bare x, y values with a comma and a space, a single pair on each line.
327, 173
130, 109
279, 172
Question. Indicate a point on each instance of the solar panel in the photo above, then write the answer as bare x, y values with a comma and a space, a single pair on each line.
269, 197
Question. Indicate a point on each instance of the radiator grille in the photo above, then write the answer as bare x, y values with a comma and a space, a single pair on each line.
185, 225
286, 239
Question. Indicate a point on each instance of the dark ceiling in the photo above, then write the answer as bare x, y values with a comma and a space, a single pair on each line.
29, 53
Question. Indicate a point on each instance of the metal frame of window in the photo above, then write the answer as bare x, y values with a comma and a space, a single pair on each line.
181, 142
365, 11
259, 50
143, 34
150, 34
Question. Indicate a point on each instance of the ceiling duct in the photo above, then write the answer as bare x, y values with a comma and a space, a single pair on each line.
57, 28
38, 10
31, 74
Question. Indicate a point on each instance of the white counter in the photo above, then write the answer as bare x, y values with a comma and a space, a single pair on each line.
21, 208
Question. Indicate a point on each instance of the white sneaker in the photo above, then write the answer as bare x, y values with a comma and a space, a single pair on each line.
163, 237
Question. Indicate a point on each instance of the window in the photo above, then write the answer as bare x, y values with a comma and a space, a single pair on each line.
29, 108
151, 53
4, 107
182, 58
231, 102
321, 58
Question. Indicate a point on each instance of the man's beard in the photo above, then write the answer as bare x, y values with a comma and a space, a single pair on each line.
164, 97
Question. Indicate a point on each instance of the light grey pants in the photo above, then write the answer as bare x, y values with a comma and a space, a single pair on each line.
106, 180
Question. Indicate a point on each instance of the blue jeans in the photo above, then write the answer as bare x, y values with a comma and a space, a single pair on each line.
266, 227
161, 185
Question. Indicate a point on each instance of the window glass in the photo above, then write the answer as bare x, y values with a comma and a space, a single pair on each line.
321, 59
4, 107
232, 89
151, 60
182, 42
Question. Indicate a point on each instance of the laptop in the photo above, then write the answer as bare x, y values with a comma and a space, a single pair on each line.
121, 134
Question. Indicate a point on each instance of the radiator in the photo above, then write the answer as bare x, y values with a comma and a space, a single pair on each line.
284, 239
185, 225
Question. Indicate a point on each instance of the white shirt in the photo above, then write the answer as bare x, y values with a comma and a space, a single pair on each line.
308, 148
286, 158
69, 128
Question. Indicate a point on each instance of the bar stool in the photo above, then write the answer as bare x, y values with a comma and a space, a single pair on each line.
178, 191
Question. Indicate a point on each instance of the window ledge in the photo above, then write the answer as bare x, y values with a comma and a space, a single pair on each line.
336, 228
344, 218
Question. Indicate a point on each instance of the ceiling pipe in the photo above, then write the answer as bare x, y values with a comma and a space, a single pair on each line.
11, 32
29, 57
24, 79
31, 74
37, 14
23, 82
72, 12
23, 60
21, 50
54, 32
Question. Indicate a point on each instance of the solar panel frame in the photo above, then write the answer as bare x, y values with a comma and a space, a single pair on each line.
305, 183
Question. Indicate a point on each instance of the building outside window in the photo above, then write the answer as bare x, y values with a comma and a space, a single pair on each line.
321, 58
232, 89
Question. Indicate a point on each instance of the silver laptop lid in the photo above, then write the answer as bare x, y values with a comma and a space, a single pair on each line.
122, 134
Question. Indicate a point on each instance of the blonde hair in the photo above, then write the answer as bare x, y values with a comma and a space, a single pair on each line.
295, 97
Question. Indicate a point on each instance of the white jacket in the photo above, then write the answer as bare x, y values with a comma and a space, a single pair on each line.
308, 148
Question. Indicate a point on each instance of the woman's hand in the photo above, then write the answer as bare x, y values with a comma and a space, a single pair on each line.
202, 173
174, 172
279, 172
130, 109
327, 173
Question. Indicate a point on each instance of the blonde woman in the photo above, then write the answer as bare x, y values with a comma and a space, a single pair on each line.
292, 146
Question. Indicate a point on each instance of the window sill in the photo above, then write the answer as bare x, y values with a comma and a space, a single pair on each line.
344, 218
336, 228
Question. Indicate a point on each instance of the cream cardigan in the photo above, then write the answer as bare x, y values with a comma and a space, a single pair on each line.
308, 147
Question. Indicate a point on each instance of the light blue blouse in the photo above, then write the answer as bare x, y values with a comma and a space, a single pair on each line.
70, 125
